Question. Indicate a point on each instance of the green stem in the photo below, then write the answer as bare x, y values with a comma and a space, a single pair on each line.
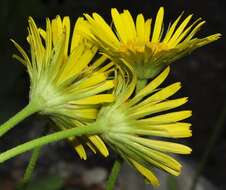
140, 84
30, 168
77, 131
118, 163
210, 146
25, 112
31, 165
114, 174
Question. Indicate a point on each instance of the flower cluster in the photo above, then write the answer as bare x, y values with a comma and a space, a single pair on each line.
113, 79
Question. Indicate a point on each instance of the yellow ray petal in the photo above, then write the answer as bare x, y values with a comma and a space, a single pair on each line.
81, 151
158, 25
161, 145
194, 31
147, 30
150, 87
96, 140
186, 32
172, 29
140, 30
79, 148
77, 33
107, 85
95, 79
119, 25
162, 94
90, 145
85, 113
57, 29
99, 62
146, 173
176, 130
66, 26
97, 99
164, 106
167, 118
102, 28
129, 25
160, 158
84, 60
179, 31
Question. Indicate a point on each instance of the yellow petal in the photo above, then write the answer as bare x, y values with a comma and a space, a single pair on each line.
96, 140
129, 25
162, 94
140, 28
158, 25
158, 159
194, 31
85, 113
97, 99
95, 79
163, 106
107, 85
150, 87
161, 145
172, 29
179, 31
167, 118
119, 25
102, 29
79, 148
77, 33
81, 151
147, 30
185, 33
146, 173
175, 130
99, 62
66, 27
90, 145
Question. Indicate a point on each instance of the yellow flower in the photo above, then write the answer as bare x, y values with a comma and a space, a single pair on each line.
146, 46
67, 82
130, 121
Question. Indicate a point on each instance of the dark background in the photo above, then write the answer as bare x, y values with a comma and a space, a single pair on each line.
203, 75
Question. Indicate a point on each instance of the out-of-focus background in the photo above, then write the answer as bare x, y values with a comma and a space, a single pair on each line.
203, 75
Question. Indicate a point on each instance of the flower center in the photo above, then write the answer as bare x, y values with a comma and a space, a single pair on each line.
136, 46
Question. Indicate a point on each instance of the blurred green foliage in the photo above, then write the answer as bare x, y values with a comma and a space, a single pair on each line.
52, 182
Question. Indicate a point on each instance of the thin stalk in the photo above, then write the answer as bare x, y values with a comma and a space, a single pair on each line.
30, 168
21, 115
114, 174
77, 131
118, 163
210, 146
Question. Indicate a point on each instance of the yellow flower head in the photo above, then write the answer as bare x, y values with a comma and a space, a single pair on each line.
145, 45
131, 121
68, 82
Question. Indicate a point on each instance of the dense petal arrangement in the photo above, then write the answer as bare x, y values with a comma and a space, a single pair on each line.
130, 121
148, 49
68, 83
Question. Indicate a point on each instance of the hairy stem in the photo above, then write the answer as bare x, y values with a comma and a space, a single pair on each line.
114, 174
77, 131
30, 168
21, 115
